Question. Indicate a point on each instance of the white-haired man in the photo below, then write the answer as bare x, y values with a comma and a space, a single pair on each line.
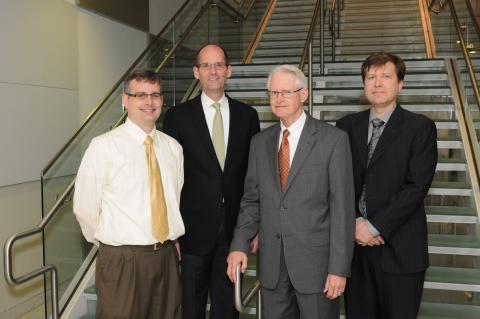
299, 197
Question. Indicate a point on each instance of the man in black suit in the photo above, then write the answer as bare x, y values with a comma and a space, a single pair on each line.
214, 131
394, 155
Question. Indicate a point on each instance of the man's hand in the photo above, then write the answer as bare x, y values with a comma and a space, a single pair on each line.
177, 246
254, 245
236, 258
362, 233
334, 286
376, 241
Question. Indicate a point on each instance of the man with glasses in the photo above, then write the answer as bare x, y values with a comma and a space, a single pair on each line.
214, 131
126, 201
299, 197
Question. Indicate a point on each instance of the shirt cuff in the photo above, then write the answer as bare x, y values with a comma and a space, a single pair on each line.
372, 228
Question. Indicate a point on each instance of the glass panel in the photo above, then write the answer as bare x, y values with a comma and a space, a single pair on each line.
445, 34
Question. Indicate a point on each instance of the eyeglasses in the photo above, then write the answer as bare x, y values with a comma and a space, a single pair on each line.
217, 65
143, 96
285, 94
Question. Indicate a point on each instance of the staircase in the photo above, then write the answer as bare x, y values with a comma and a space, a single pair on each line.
452, 285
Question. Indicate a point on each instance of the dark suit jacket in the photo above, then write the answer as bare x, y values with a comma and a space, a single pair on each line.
397, 181
209, 196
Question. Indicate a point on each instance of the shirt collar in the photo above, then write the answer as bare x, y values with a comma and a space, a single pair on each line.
385, 116
207, 101
137, 133
296, 126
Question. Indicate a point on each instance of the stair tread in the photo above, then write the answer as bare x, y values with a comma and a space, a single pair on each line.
467, 276
463, 241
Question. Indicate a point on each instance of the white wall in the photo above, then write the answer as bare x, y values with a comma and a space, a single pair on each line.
21, 210
106, 50
38, 84
161, 11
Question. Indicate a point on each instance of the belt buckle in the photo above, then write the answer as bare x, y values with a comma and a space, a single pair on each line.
156, 246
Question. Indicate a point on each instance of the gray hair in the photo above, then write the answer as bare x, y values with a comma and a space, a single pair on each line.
301, 82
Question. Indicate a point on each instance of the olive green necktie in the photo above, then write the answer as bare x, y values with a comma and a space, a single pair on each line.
217, 135
159, 208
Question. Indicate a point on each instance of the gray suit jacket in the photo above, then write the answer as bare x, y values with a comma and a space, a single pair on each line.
314, 218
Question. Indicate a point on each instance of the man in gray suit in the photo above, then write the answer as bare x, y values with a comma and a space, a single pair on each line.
299, 196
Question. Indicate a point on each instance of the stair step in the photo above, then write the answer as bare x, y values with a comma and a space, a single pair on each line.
451, 214
429, 310
450, 188
457, 279
453, 245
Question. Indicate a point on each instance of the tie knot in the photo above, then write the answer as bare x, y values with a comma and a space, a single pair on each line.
148, 140
286, 133
216, 106
377, 122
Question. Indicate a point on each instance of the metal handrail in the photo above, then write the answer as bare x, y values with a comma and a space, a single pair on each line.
309, 38
112, 90
468, 61
258, 34
241, 303
334, 28
7, 255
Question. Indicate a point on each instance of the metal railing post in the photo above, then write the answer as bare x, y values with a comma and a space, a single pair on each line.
322, 37
310, 78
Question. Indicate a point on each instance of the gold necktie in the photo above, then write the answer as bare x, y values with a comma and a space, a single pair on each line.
284, 160
217, 135
159, 208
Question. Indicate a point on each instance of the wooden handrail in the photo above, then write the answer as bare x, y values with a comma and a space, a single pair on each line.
259, 33
431, 51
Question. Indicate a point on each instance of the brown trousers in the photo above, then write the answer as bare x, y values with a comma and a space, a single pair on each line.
137, 282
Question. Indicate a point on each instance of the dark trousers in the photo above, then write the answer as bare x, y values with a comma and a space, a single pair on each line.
137, 282
372, 293
201, 274
285, 302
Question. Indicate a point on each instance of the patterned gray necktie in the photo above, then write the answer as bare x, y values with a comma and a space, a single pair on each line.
376, 133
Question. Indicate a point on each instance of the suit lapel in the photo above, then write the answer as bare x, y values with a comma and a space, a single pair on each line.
305, 144
200, 122
272, 151
389, 134
360, 136
233, 133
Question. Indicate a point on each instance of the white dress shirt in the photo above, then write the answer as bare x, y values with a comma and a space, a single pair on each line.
209, 112
112, 193
295, 131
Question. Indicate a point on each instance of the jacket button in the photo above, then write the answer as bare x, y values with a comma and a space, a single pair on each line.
278, 236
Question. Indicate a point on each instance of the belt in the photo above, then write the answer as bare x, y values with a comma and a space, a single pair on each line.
156, 246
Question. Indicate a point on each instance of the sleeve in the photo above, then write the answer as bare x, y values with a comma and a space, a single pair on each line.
249, 216
170, 126
421, 169
255, 123
89, 185
342, 208
180, 173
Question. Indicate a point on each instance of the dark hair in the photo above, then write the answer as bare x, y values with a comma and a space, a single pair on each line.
141, 76
227, 60
381, 58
